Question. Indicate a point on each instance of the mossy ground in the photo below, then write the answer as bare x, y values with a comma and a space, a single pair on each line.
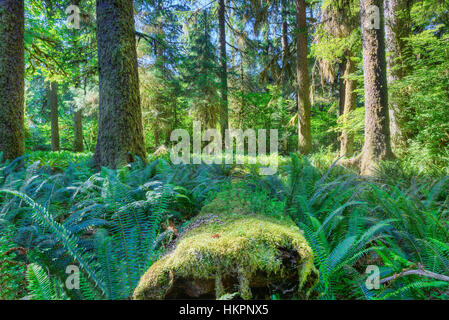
227, 239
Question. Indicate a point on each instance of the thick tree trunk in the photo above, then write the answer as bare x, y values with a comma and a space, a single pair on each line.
304, 130
377, 144
397, 27
223, 66
12, 69
54, 116
349, 104
120, 131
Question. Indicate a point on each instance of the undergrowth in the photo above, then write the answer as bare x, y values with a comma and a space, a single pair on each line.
113, 224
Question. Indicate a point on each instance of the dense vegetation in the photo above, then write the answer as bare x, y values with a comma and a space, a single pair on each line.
86, 179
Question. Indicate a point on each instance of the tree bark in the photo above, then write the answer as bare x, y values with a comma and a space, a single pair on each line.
120, 130
78, 145
54, 117
302, 70
12, 70
224, 123
78, 141
284, 15
349, 104
377, 146
397, 27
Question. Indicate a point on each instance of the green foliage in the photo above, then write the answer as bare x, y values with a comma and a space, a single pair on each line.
352, 223
424, 95
12, 269
323, 123
200, 71
40, 285
126, 219
108, 223
59, 159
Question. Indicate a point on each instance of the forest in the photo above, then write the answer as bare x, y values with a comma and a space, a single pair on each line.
224, 149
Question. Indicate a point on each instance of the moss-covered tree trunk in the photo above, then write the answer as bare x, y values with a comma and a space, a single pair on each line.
224, 122
377, 144
230, 248
54, 115
120, 131
302, 71
349, 104
12, 68
397, 28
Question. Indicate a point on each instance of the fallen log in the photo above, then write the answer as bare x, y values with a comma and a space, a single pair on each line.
228, 250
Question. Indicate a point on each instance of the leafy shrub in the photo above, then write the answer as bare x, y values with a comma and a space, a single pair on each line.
12, 268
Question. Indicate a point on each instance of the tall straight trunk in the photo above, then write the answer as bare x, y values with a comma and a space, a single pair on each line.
223, 66
377, 146
284, 11
397, 27
349, 104
120, 130
78, 141
12, 83
302, 70
78, 145
54, 116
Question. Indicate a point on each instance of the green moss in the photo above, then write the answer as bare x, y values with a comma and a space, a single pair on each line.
227, 239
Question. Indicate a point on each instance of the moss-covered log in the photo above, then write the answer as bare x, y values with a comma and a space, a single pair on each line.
228, 249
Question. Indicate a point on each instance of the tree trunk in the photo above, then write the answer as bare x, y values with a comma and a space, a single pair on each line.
397, 27
120, 131
78, 145
253, 236
12, 70
302, 69
284, 42
350, 99
223, 66
54, 117
377, 146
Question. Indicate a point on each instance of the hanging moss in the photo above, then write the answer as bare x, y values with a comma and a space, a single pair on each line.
228, 249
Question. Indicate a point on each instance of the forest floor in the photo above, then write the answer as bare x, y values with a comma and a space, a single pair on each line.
114, 224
